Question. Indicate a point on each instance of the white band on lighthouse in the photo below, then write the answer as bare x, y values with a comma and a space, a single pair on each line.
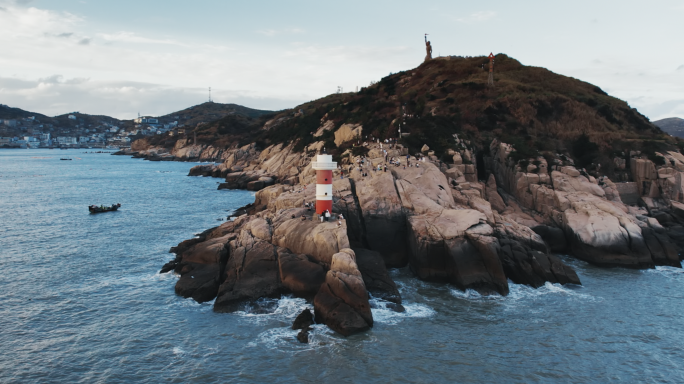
324, 191
324, 163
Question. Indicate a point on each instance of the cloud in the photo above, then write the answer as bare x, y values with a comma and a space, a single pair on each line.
274, 32
680, 68
85, 41
478, 17
130, 37
56, 95
65, 34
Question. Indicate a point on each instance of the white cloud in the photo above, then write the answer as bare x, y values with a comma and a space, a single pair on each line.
478, 17
130, 37
275, 32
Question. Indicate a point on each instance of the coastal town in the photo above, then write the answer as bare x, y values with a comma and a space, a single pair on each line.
23, 129
79, 131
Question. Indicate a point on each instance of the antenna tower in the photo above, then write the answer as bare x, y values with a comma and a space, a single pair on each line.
210, 94
490, 81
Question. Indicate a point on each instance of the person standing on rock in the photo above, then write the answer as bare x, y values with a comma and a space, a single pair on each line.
327, 215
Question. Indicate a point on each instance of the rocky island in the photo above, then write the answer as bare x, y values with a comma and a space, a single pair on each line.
467, 184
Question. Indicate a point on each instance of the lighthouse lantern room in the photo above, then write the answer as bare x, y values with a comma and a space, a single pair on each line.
324, 166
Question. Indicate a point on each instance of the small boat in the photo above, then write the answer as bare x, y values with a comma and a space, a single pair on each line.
102, 208
66, 159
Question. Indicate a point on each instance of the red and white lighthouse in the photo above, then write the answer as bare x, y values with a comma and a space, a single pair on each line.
324, 166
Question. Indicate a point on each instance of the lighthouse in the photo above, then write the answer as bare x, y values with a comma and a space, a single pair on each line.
324, 166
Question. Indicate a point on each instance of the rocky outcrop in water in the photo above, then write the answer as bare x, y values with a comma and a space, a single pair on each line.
436, 218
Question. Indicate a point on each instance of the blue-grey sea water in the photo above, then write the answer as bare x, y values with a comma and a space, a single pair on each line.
81, 300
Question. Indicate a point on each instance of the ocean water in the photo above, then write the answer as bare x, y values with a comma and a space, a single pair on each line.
81, 300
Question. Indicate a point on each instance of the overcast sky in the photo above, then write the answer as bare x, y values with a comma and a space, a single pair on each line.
125, 57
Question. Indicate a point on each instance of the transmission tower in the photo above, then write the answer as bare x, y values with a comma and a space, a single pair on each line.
490, 81
210, 94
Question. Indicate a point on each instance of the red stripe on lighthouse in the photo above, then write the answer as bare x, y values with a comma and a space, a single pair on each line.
324, 177
322, 205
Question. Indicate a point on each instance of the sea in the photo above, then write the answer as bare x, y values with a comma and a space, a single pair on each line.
82, 300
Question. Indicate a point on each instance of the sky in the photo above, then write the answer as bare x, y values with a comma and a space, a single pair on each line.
120, 58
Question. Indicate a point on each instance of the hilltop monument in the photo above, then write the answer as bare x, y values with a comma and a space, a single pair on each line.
490, 79
428, 49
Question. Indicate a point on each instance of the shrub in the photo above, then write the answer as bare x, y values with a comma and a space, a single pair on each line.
584, 151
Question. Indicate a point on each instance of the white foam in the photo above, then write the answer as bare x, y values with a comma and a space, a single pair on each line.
285, 339
668, 272
178, 351
288, 308
520, 292
384, 315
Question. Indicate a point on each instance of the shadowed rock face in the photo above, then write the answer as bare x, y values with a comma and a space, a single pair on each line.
299, 274
375, 276
383, 218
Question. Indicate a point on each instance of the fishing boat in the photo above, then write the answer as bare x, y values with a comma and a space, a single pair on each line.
102, 208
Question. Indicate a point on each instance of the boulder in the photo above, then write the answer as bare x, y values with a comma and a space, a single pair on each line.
250, 274
299, 275
442, 250
199, 266
202, 170
493, 196
342, 301
309, 237
603, 235
303, 320
347, 132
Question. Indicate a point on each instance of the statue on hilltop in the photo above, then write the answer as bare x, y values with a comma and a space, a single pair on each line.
428, 49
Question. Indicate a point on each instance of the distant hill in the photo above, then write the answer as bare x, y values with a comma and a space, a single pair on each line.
62, 125
673, 126
210, 111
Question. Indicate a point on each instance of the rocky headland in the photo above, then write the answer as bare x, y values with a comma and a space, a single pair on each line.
476, 212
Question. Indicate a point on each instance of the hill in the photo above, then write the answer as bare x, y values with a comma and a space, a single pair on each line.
673, 126
536, 110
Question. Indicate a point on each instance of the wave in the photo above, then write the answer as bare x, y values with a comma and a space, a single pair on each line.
520, 292
384, 314
668, 272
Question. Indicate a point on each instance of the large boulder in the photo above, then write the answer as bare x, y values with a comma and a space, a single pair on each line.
456, 246
199, 266
250, 274
310, 237
342, 301
601, 233
347, 132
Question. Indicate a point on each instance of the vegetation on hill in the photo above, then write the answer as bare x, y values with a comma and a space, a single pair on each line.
536, 110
